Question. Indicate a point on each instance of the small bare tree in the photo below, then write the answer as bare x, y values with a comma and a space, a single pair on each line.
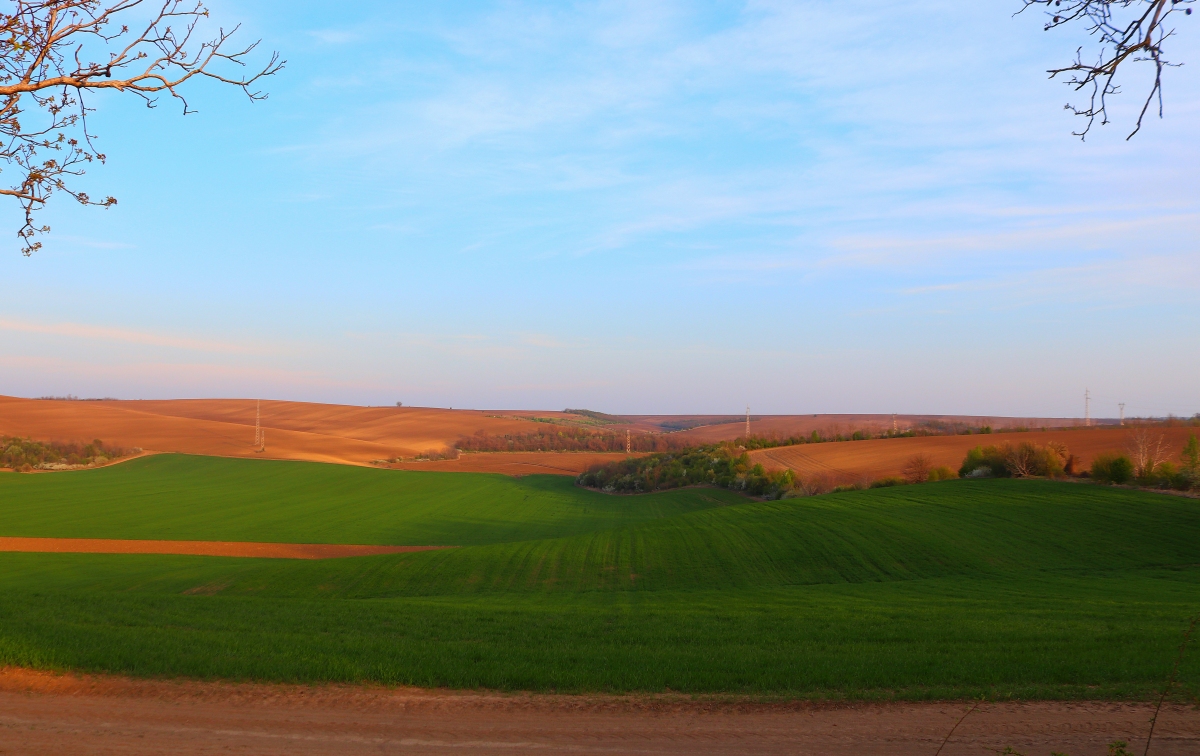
54, 52
916, 469
1147, 451
1021, 460
1125, 30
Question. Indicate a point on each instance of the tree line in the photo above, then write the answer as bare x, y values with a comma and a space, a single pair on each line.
569, 439
26, 455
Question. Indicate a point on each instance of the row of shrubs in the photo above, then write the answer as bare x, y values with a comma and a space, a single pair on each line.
1053, 460
1119, 468
26, 455
729, 466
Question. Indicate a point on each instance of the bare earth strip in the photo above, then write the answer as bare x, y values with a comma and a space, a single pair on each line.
201, 548
46, 713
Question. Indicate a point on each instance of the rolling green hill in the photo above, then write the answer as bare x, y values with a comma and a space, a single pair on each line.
181, 497
1007, 588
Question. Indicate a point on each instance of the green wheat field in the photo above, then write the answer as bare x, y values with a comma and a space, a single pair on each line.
1003, 588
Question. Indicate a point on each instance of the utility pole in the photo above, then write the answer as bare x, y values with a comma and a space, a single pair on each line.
1087, 408
1122, 406
747, 422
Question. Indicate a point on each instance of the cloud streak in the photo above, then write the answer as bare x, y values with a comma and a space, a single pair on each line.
142, 338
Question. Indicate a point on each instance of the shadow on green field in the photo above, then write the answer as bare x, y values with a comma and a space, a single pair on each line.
1006, 588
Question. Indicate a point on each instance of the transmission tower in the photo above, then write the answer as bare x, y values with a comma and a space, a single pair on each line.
628, 443
1087, 408
1122, 406
747, 422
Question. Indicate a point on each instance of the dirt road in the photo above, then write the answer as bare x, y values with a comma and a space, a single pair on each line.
42, 713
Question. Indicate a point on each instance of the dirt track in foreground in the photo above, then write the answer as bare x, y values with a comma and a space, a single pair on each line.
201, 548
45, 713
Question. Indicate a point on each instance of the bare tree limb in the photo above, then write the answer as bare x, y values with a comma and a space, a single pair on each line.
1127, 31
53, 52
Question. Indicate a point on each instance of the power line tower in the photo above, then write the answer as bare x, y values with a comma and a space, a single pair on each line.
628, 443
747, 422
1122, 406
1087, 408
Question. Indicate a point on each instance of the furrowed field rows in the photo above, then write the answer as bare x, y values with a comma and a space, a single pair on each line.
1003, 587
966, 527
212, 499
1109, 636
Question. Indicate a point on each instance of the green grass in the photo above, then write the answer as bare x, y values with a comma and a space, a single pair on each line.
1004, 588
173, 496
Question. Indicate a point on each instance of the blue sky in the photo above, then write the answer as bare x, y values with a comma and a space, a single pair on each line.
635, 207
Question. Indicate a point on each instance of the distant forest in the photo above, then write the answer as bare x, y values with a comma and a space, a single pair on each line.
570, 439
576, 439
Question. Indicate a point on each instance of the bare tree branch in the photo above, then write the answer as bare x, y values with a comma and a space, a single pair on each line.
1127, 31
53, 52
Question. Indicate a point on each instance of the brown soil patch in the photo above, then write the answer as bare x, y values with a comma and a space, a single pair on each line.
864, 461
202, 548
46, 713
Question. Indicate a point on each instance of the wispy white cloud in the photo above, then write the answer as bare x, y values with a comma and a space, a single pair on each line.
145, 338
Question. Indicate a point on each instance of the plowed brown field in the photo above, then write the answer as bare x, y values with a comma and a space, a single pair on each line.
45, 713
294, 430
201, 548
726, 428
859, 461
362, 435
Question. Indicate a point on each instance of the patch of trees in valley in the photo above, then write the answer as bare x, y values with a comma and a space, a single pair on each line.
27, 455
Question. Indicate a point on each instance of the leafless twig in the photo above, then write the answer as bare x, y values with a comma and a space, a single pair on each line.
53, 52
1187, 638
1126, 30
955, 727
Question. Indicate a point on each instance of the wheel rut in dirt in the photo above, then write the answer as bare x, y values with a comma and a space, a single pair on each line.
43, 713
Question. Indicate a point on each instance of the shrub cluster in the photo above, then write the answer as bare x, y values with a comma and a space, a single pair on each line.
1119, 468
1022, 460
722, 465
24, 454
1112, 467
